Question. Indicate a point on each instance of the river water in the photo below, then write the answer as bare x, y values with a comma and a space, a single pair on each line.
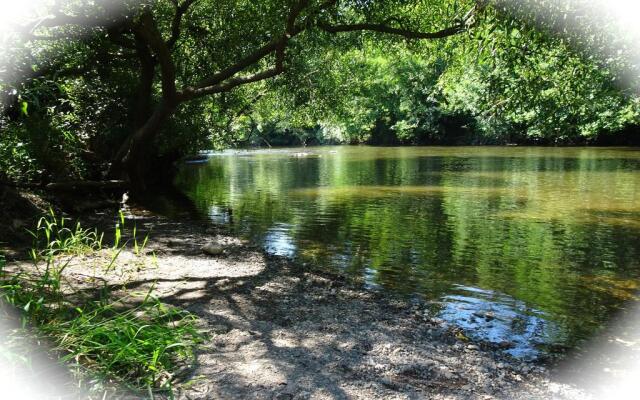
538, 247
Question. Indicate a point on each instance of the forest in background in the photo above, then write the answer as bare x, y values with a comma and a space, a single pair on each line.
93, 92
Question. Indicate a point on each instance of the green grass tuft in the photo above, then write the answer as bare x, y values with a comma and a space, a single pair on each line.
141, 346
53, 236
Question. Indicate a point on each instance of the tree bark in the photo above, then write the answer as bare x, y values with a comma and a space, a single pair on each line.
142, 110
140, 144
147, 72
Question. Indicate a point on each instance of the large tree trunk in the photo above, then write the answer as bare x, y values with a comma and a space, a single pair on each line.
142, 110
137, 159
147, 72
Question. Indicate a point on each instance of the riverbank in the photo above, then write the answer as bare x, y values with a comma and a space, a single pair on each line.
276, 330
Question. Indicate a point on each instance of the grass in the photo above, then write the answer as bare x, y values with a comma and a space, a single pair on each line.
140, 346
53, 236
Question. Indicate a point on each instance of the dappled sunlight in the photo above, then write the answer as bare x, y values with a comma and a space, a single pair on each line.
495, 317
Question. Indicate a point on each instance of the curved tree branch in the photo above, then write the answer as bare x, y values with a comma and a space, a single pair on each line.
449, 31
150, 34
231, 83
458, 26
181, 10
224, 80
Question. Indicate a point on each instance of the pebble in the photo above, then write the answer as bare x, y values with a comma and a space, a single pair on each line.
175, 242
446, 374
213, 249
302, 395
388, 383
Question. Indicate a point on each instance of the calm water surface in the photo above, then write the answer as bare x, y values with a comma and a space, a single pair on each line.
537, 246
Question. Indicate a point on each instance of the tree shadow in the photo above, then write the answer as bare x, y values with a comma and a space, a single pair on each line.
286, 332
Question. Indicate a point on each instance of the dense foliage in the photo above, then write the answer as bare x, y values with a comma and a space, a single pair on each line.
92, 91
503, 82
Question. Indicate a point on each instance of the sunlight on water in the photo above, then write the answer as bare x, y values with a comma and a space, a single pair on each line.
547, 239
501, 319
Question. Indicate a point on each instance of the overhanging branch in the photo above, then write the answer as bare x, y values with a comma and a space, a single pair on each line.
181, 10
226, 80
449, 31
231, 83
458, 26
242, 64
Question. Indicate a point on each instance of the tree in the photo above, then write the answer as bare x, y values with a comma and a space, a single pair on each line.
131, 88
518, 77
187, 51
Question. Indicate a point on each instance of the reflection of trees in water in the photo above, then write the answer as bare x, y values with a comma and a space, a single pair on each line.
531, 225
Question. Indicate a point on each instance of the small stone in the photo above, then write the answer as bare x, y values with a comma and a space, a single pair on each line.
388, 383
302, 396
505, 344
472, 347
213, 249
175, 242
447, 375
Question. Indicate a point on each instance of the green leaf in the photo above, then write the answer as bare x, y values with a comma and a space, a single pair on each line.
23, 108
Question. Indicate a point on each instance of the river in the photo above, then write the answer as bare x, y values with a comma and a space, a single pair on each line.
528, 246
